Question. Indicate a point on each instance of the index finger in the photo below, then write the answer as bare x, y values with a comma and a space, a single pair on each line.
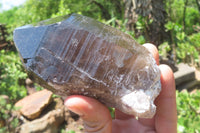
153, 50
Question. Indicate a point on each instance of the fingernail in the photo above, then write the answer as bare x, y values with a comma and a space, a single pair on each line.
71, 105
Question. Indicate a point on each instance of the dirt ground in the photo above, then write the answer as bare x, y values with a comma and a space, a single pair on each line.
72, 123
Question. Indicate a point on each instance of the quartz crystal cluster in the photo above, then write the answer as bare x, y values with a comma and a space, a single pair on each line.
80, 55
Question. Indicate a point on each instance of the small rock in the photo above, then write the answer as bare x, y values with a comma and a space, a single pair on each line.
48, 124
189, 86
32, 105
184, 74
57, 103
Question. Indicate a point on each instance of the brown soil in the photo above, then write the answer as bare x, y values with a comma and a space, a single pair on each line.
72, 123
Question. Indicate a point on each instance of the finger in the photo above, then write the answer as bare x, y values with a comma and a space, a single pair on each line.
130, 126
147, 122
166, 115
96, 116
153, 50
122, 116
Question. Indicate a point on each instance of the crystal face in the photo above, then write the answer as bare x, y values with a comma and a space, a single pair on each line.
82, 56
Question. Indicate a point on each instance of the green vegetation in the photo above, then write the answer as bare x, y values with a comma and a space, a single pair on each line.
12, 75
71, 131
187, 49
12, 80
6, 117
188, 107
182, 42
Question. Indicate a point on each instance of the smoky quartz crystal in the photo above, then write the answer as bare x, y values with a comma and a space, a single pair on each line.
79, 55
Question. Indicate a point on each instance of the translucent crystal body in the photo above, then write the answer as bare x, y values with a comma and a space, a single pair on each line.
82, 56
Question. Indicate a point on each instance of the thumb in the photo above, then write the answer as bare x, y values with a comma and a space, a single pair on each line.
96, 116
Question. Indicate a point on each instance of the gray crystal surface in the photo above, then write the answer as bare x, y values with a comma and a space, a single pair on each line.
80, 55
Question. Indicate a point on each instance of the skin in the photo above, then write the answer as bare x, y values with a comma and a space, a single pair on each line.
97, 119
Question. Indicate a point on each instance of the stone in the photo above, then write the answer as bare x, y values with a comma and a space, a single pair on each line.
56, 103
189, 86
184, 74
31, 106
55, 110
79, 55
47, 124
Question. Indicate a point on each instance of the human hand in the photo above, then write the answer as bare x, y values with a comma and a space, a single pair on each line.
97, 118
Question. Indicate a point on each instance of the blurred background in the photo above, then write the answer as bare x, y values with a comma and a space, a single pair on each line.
173, 26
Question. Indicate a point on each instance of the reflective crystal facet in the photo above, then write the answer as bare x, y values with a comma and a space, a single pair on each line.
82, 56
